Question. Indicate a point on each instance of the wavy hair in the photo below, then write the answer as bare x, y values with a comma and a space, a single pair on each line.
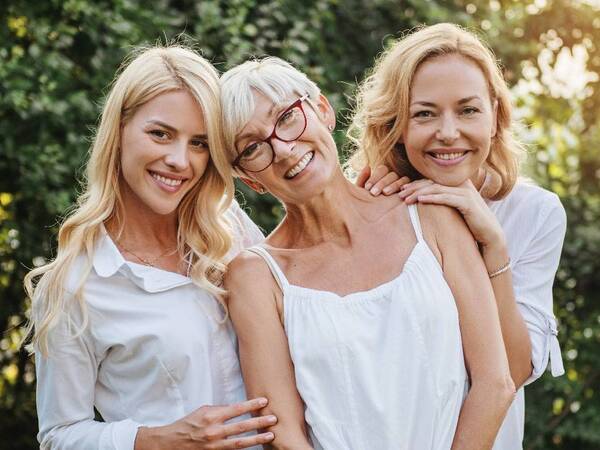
383, 98
203, 237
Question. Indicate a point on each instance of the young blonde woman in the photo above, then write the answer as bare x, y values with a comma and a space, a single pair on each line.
348, 314
436, 106
125, 318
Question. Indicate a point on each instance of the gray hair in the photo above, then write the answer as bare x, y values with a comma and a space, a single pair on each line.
273, 77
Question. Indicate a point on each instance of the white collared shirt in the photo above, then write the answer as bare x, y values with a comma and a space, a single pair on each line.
534, 224
154, 351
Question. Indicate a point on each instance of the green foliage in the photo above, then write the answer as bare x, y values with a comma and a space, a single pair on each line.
58, 57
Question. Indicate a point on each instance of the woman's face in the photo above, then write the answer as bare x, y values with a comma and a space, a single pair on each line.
452, 120
302, 167
164, 151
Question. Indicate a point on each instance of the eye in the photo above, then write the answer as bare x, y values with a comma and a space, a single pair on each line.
470, 110
249, 151
159, 134
199, 144
423, 114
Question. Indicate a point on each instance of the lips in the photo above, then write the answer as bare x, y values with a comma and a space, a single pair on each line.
300, 166
170, 183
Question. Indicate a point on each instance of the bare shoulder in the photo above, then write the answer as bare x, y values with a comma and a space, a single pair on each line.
441, 222
249, 279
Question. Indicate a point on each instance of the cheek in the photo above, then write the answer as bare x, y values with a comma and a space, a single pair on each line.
200, 163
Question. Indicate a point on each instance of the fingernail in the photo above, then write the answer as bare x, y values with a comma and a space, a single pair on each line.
375, 191
368, 186
271, 419
262, 401
269, 436
386, 190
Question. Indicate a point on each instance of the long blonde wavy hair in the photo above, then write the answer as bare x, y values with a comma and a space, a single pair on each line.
383, 98
203, 236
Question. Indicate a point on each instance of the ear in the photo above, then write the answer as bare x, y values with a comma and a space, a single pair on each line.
254, 185
494, 118
326, 111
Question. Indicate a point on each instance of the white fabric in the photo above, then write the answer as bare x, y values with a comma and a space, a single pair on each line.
534, 223
379, 369
153, 352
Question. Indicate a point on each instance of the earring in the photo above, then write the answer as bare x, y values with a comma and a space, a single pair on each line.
330, 127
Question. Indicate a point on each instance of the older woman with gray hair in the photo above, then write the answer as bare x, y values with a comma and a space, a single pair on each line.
368, 323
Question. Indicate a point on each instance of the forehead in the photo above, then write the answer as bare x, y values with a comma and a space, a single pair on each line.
448, 76
178, 109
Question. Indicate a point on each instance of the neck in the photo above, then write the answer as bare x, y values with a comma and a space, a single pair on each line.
142, 228
329, 216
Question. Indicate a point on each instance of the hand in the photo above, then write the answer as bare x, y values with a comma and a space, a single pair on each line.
205, 428
380, 180
482, 222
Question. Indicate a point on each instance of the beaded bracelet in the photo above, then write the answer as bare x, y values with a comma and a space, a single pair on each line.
501, 270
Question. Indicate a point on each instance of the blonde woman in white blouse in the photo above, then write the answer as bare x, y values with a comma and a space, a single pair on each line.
423, 86
125, 318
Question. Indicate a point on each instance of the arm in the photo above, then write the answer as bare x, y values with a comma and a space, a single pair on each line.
264, 354
492, 389
486, 230
65, 404
533, 276
65, 397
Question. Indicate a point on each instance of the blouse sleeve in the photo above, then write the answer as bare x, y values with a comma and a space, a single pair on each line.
246, 232
65, 397
533, 277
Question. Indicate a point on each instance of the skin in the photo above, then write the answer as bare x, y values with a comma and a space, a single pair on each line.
329, 226
167, 136
458, 115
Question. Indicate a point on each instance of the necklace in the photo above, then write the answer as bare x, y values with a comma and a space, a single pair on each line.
148, 262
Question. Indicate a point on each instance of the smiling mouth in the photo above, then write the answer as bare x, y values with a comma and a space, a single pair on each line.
448, 156
168, 181
298, 168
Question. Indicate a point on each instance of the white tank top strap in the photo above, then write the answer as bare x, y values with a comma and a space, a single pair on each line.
414, 219
280, 278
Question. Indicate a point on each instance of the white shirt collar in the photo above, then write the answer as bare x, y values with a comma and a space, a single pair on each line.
108, 261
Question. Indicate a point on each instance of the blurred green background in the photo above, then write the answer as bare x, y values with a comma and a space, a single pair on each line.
58, 57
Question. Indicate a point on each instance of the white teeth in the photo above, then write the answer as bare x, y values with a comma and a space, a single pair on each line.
300, 166
167, 181
448, 156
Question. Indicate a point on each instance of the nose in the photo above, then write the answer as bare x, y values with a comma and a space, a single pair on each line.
448, 131
281, 149
177, 157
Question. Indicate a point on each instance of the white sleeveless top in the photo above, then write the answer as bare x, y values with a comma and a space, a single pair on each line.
378, 369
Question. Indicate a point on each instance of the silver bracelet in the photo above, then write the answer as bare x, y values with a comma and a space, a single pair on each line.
501, 270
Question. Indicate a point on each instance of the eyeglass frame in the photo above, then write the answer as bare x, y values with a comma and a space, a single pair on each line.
273, 135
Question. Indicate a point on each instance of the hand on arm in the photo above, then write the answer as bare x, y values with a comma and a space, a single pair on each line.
264, 354
492, 390
486, 230
205, 428
380, 180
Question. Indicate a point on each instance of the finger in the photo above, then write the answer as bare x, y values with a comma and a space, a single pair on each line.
411, 193
441, 199
242, 442
243, 426
363, 176
409, 188
426, 190
388, 179
396, 186
376, 174
224, 413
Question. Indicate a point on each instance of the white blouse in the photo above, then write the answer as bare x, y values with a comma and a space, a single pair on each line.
154, 351
534, 223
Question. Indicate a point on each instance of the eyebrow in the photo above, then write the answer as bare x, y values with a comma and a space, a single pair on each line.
270, 113
173, 129
460, 102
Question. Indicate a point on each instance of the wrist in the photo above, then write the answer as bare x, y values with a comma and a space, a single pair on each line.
148, 438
